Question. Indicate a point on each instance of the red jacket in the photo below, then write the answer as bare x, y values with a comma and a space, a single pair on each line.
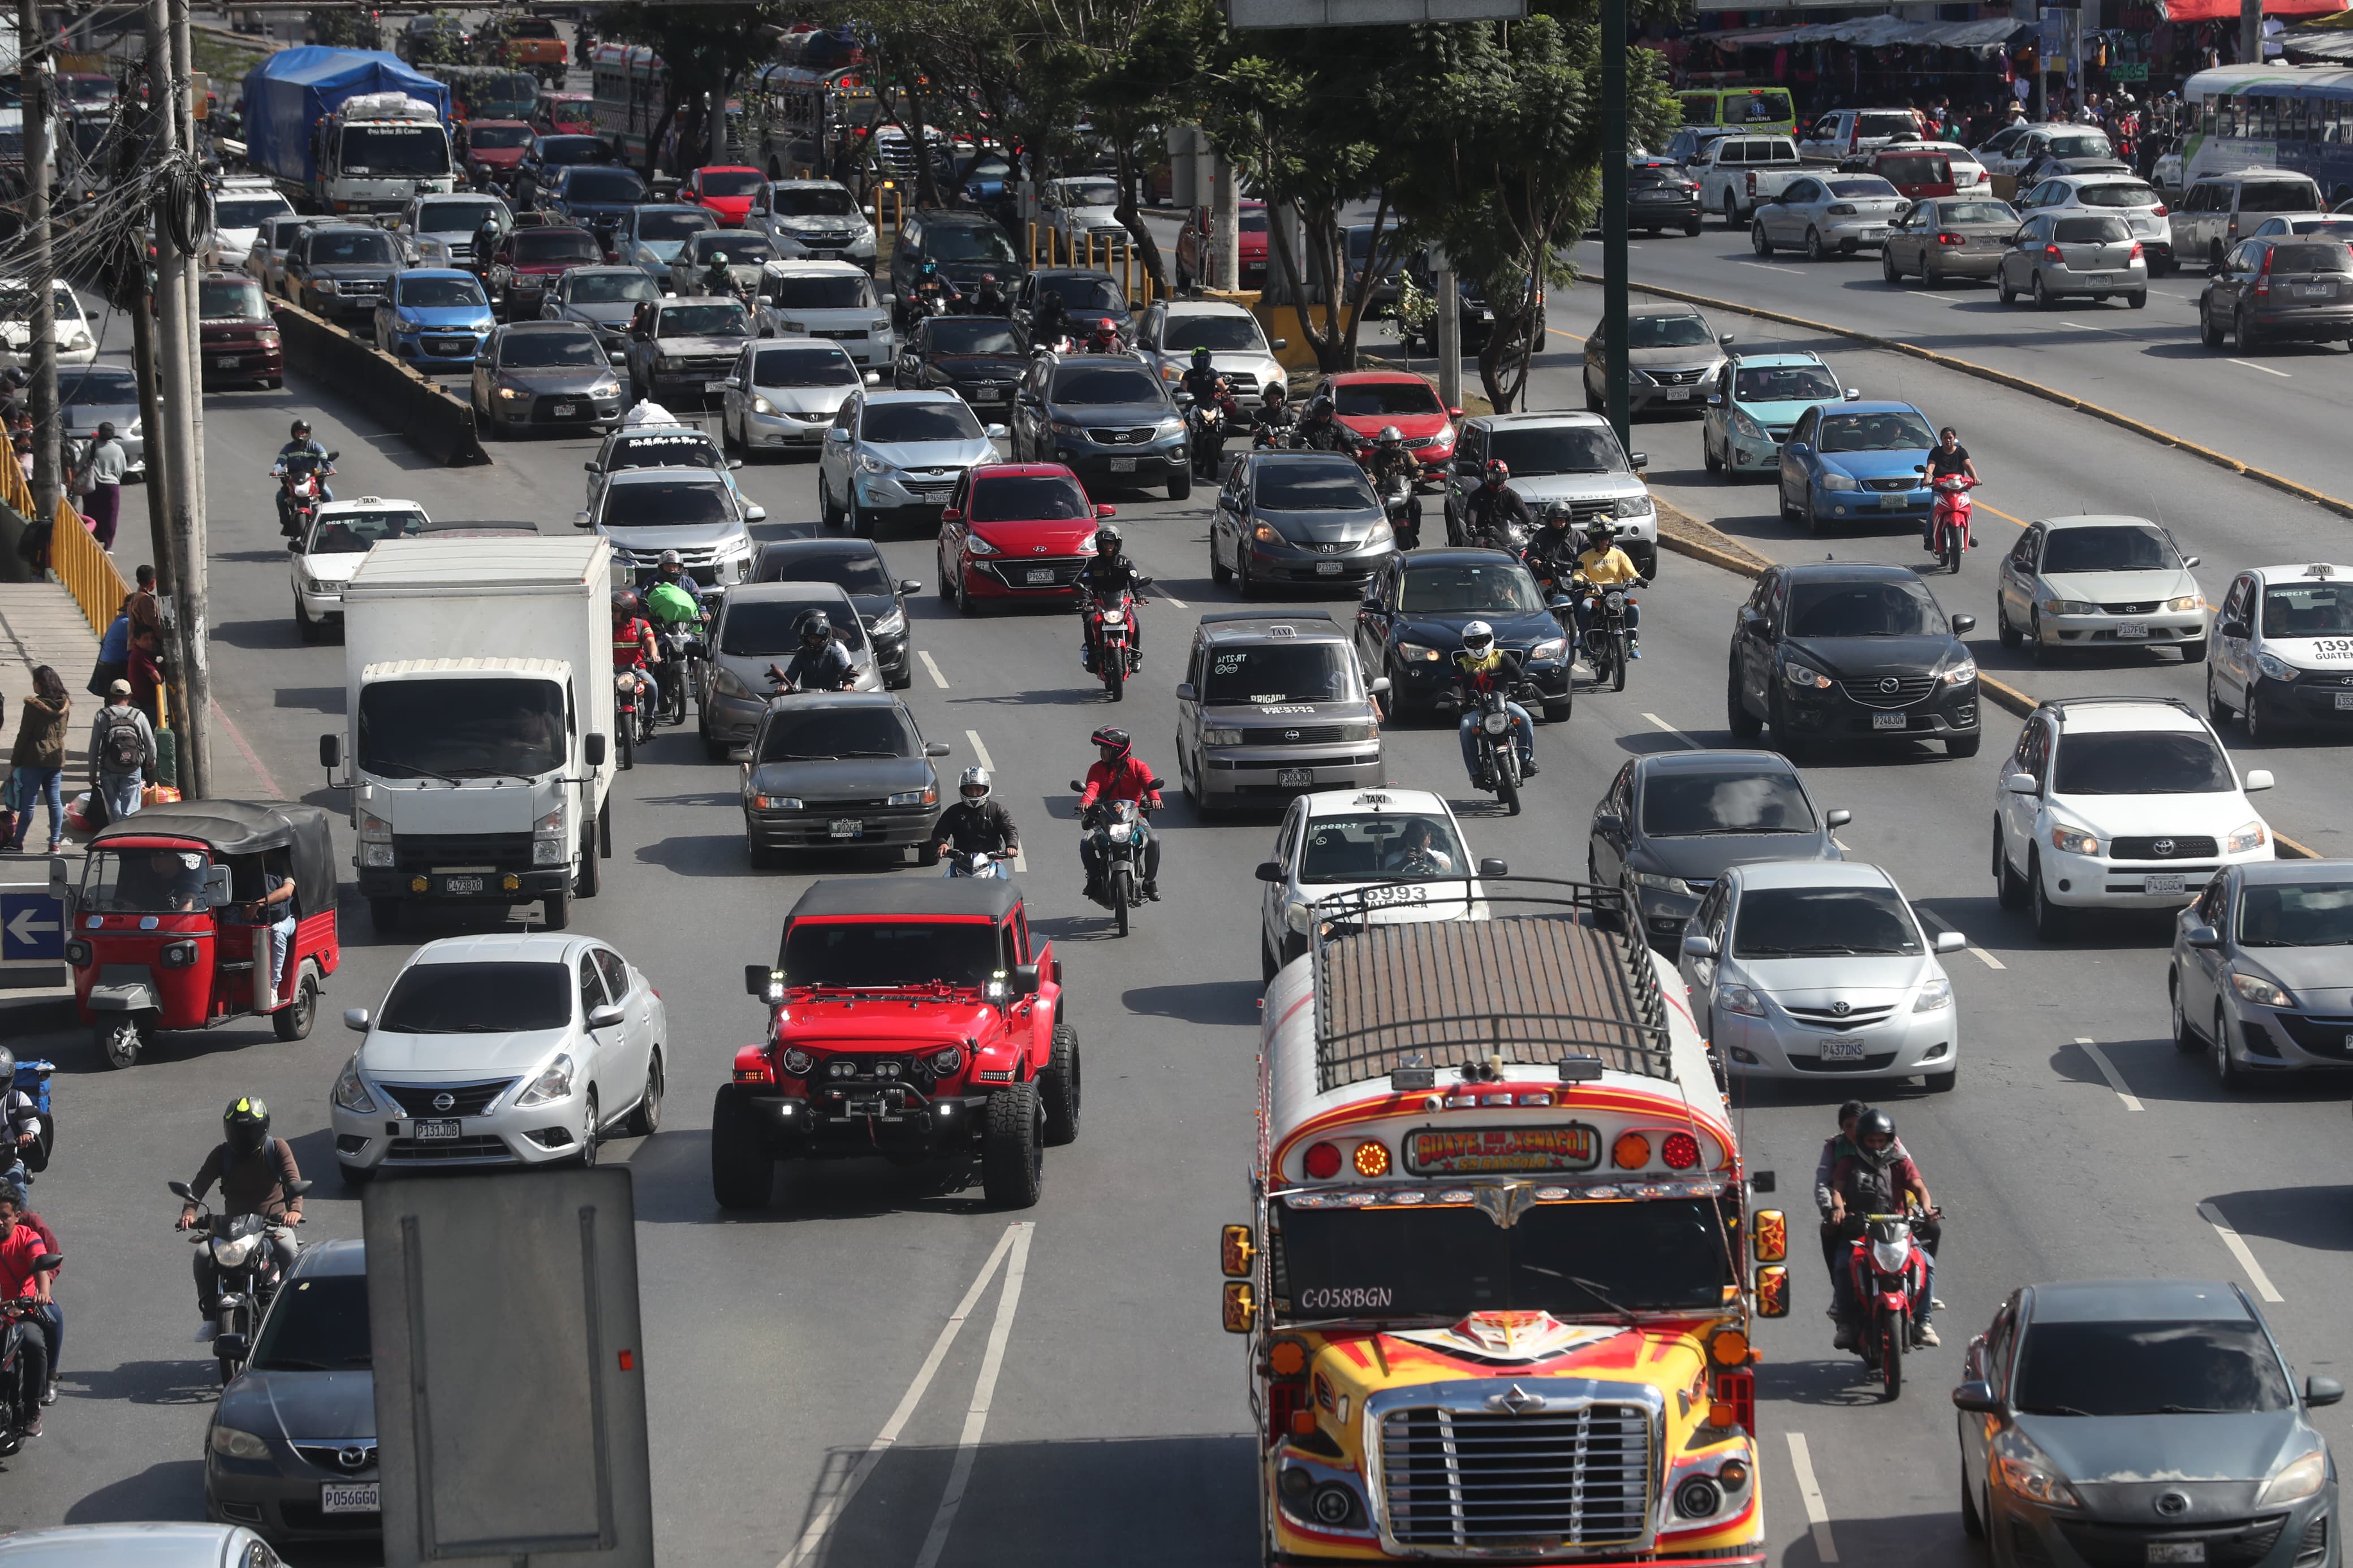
1130, 780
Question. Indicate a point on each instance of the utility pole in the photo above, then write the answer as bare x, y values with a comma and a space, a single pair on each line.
1446, 327
183, 70
33, 68
2251, 35
1225, 225
1613, 214
175, 332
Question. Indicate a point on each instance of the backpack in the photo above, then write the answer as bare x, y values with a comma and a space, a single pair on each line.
123, 750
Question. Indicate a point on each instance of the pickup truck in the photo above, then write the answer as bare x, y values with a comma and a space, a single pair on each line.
1738, 173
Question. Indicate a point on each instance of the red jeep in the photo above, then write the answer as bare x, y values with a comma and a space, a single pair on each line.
915, 1019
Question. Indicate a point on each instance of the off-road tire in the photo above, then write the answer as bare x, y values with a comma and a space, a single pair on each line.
1059, 1086
743, 1172
1012, 1149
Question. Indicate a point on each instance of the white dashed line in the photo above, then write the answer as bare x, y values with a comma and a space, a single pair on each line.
1925, 293
1763, 265
979, 750
1818, 1514
932, 670
1176, 601
2263, 1281
2265, 368
1988, 960
1670, 730
2108, 1070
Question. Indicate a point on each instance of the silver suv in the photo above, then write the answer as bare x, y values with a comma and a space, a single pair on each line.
1574, 457
1272, 704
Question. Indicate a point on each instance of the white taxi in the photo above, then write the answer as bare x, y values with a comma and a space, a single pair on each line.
2283, 649
326, 555
1401, 848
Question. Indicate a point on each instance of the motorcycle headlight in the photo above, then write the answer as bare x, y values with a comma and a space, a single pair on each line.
2187, 602
889, 624
913, 798
554, 1083
352, 1092
230, 1443
2241, 839
1632, 506
1833, 481
1495, 723
232, 1254
1119, 832
1890, 1256
1413, 652
1935, 994
1804, 676
2075, 841
2260, 991
1663, 884
1965, 670
1545, 651
2306, 1476
1741, 1000
2276, 668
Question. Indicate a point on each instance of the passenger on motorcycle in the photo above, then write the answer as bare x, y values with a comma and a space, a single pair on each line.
299, 445
976, 824
20, 1244
1493, 501
1947, 456
1275, 417
256, 1172
1479, 667
1879, 1177
1117, 775
1603, 565
988, 298
1839, 1145
1100, 581
1051, 322
1320, 429
20, 1117
633, 638
821, 663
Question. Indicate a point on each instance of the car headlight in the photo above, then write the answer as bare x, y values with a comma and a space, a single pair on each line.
1663, 884
975, 544
1414, 653
1641, 378
324, 285
2069, 607
2261, 992
1804, 676
1067, 427
608, 387
554, 1083
1741, 1000
2249, 835
352, 1092
2185, 602
727, 683
376, 856
867, 463
1214, 737
1935, 994
1382, 534
2028, 1471
2306, 1476
1744, 426
1265, 534
890, 624
796, 327
1833, 481
777, 803
1964, 671
269, 340
509, 393
2276, 668
1632, 506
913, 798
761, 405
230, 1443
2075, 841
1546, 651
1167, 428
880, 326
374, 827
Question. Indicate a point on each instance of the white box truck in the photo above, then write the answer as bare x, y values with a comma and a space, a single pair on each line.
479, 702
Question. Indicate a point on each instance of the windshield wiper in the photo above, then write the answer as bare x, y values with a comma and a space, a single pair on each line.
1732, 832
414, 770
2050, 1410
2195, 1410
892, 755
804, 757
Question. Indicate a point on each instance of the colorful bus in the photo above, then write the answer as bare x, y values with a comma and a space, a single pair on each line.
632, 88
1767, 111
2267, 117
803, 117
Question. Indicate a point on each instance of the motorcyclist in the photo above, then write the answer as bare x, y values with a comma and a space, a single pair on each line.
1117, 775
1947, 456
1391, 461
634, 648
299, 444
20, 1123
671, 571
1100, 581
934, 289
1482, 667
1493, 503
1104, 340
717, 279
821, 663
257, 1173
1201, 381
1552, 553
1603, 565
988, 298
1836, 1147
976, 824
1273, 418
20, 1245
1320, 429
1052, 321
1879, 1177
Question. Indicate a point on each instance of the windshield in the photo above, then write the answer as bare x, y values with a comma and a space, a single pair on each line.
1977, 212
894, 422
1863, 610
144, 881
966, 242
548, 351
317, 1324
810, 201
455, 217
1916, 169
1663, 332
675, 226
987, 335
1533, 452
1288, 671
1572, 1259
1885, 122
857, 575
490, 998
352, 532
1219, 334
1252, 221
2089, 231
874, 954
740, 249
612, 288
1683, 805
1360, 244
1411, 848
2120, 548
2162, 762
730, 181
2307, 610
496, 138
1849, 189
1029, 497
2129, 1368
1377, 399
102, 386
2296, 914
395, 150
2080, 145
1087, 193
340, 248
1116, 383
614, 186
546, 246
803, 367
230, 299
2331, 256
441, 293
2120, 195
1454, 589
1793, 922
446, 730
820, 292
246, 212
763, 627
1898, 432
2279, 197
1084, 293
726, 320
1784, 383
667, 503
1313, 487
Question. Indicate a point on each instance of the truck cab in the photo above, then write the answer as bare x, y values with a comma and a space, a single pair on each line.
377, 151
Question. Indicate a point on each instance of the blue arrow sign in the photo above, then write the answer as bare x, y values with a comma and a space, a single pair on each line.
32, 927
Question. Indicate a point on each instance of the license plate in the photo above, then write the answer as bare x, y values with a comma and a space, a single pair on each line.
226, 362
2313, 290
1874, 234
1327, 568
2103, 278
2131, 631
1041, 575
851, 828
1893, 502
1122, 465
1841, 1050
2163, 885
1294, 778
715, 386
461, 884
1679, 395
349, 1497
564, 410
2176, 1552
440, 1129
1890, 721
2344, 702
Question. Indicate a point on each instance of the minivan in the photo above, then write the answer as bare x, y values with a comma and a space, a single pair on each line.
2206, 223
1273, 703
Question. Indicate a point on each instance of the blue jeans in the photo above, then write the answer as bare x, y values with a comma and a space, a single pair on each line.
120, 793
1585, 617
1523, 729
48, 785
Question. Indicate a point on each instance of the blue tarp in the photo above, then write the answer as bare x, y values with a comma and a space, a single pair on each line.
291, 91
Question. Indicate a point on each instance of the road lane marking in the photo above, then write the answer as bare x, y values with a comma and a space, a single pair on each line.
1988, 960
1981, 506
980, 750
238, 736
984, 1390
2108, 1070
1762, 265
1818, 1515
1670, 730
937, 678
2263, 1281
1176, 601
804, 1550
1572, 337
2265, 369
1925, 293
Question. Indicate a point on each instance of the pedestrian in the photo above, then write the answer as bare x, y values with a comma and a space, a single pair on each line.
144, 653
105, 467
38, 757
113, 652
121, 749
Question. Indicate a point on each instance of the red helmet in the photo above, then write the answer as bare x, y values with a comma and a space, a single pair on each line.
1497, 470
1114, 739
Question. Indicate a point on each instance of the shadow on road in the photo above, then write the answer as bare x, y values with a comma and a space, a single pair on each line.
195, 1380
174, 1489
1209, 1002
2315, 1217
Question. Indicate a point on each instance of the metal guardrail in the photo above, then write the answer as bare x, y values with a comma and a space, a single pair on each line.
88, 573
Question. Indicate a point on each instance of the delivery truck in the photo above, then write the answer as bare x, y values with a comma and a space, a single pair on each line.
348, 131
478, 687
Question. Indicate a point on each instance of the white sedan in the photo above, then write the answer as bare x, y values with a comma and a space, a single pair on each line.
1401, 850
513, 1049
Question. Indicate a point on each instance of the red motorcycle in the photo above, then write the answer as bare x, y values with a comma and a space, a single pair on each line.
1887, 1273
301, 485
636, 703
1110, 632
1949, 531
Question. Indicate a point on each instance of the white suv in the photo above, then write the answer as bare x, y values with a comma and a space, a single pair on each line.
2121, 803
2128, 197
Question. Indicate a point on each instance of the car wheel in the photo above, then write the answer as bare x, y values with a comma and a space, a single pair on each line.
1219, 572
2216, 709
645, 1119
2009, 887
1781, 499
1012, 1151
2043, 299
829, 515
855, 519
1887, 269
2001, 287
2051, 920
2243, 333
2137, 298
2261, 729
1594, 402
1943, 1082
1243, 586
2228, 1073
2002, 629
1759, 240
2208, 333
743, 1171
1731, 211
1815, 250
2185, 1037
1058, 1086
1180, 483
2036, 650
1810, 517
1267, 966
591, 1131
1691, 225
1972, 1521
1744, 724
1707, 455
306, 629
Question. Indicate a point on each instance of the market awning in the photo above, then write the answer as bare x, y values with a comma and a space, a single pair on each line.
1875, 32
2180, 11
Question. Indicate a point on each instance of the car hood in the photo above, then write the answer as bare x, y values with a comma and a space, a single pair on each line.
2209, 814
224, 330
2318, 975
1539, 489
1444, 633
817, 225
663, 250
825, 400
752, 668
603, 213
2111, 1457
1410, 426
1111, 415
563, 378
676, 536
1262, 365
844, 317
334, 567
1702, 357
312, 1406
853, 778
2308, 652
1783, 412
448, 315
1706, 858
89, 416
1052, 536
1341, 525
728, 209
700, 345
980, 367
1878, 465
1080, 219
457, 1058
1855, 658
496, 157
356, 272
2121, 588
943, 456
617, 314
1823, 980
1442, 900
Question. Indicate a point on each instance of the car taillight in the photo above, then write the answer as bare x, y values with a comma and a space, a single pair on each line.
1948, 238
1751, 182
2160, 211
2135, 252
2263, 277
2054, 253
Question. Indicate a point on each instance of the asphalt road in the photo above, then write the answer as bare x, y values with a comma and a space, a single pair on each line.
1105, 1411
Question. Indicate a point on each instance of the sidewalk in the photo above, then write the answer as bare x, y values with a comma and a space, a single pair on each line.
39, 623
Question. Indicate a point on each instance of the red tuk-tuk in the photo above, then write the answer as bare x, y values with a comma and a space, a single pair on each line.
171, 928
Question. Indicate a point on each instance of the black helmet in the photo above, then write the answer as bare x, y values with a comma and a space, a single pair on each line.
1599, 534
625, 602
1106, 539
1112, 738
1201, 357
301, 429
1391, 436
1273, 392
988, 278
1558, 514
246, 1125
1870, 1123
1321, 408
812, 627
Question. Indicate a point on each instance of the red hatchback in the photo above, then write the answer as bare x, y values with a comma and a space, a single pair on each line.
726, 189
1014, 533
1918, 174
1365, 400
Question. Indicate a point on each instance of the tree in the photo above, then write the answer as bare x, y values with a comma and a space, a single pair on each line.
705, 50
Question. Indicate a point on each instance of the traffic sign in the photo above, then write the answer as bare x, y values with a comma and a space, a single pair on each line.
32, 927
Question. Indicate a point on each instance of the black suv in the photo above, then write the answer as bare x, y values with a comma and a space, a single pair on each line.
978, 358
341, 270
1106, 418
964, 244
1089, 298
1829, 651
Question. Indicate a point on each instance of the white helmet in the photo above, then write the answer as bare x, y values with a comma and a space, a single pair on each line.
973, 784
1478, 637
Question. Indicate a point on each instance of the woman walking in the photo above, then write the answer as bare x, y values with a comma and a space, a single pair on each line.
39, 757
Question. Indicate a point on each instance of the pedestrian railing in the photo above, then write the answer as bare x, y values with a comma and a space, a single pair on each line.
88, 573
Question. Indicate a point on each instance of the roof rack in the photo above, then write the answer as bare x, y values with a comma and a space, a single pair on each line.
1539, 982
1224, 615
2062, 704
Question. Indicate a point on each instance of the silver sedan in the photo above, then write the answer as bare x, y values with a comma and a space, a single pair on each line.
1953, 237
1827, 215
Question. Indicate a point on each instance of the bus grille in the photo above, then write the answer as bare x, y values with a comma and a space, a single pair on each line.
1490, 1478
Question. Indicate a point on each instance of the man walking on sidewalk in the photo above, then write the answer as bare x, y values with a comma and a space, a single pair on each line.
107, 463
121, 749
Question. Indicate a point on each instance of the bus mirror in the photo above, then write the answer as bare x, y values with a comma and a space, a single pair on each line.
1236, 1248
1761, 1181
1769, 1236
1772, 1292
1240, 1307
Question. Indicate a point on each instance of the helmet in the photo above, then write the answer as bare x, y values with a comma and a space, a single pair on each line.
246, 1125
931, 269
1201, 357
1870, 1123
1557, 514
1106, 539
1321, 408
625, 602
1273, 392
988, 278
17, 377
1497, 470
1391, 436
1599, 534
301, 429
973, 784
1478, 637
1114, 738
812, 626
7, 1069
670, 558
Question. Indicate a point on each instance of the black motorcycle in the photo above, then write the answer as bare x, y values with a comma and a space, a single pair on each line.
1120, 832
1605, 642
20, 1406
676, 675
1402, 504
1204, 431
1496, 748
244, 1273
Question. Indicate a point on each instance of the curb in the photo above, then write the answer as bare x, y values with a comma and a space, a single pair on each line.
1689, 538
2017, 384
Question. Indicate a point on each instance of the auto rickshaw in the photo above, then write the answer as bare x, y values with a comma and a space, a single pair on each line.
170, 928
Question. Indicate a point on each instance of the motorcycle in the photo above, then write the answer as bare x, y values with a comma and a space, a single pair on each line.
978, 863
245, 1272
1604, 640
634, 712
681, 649
1949, 530
22, 1317
1403, 506
1120, 832
33, 1080
1887, 1273
302, 486
1110, 629
1274, 434
1205, 430
1497, 751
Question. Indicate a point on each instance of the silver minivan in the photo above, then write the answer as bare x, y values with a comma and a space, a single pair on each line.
1273, 703
2219, 210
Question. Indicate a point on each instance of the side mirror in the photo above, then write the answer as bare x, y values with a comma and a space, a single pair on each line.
1698, 947
1950, 942
604, 1017
2189, 560
591, 468
333, 456
1270, 872
755, 515
1752, 619
331, 752
2317, 1390
734, 463
1185, 691
936, 748
1494, 865
1025, 979
755, 979
909, 585
1853, 394
592, 749
580, 520
1838, 816
1723, 339
1281, 343
2020, 783
951, 514
216, 893
1714, 400
356, 1019
1607, 822
60, 887
1964, 625
181, 1190
1379, 686
1977, 1397
2233, 627
1639, 459
1181, 399
2202, 936
2213, 270
995, 433
1103, 509
1454, 414
1076, 787
2257, 778
617, 358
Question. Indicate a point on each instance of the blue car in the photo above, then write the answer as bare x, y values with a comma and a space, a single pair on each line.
435, 318
1757, 402
1849, 462
1409, 625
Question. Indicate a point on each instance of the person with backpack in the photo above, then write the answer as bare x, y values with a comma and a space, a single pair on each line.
121, 749
38, 757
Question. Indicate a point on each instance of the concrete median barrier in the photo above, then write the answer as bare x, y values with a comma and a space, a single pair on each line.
433, 421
